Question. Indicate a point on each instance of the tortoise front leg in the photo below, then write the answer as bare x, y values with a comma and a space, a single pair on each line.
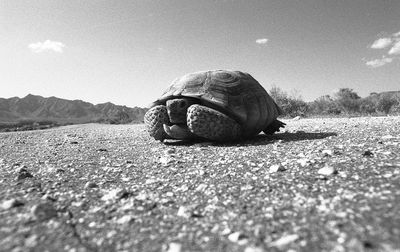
154, 119
212, 124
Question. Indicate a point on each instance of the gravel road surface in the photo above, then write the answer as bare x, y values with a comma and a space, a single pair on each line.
320, 185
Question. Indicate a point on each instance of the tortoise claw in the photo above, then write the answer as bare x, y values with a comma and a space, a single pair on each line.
178, 132
274, 127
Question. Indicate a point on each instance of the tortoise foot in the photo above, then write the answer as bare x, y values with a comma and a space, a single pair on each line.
179, 132
212, 124
154, 119
274, 127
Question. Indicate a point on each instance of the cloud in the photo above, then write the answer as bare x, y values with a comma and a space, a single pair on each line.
397, 34
262, 41
381, 43
395, 50
378, 62
47, 45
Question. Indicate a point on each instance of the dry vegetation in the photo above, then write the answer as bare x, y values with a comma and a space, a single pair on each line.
321, 185
345, 102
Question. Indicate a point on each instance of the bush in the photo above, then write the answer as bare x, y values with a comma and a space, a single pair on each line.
324, 105
291, 105
386, 102
367, 106
348, 100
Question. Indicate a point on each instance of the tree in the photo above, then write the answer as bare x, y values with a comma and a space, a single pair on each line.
348, 100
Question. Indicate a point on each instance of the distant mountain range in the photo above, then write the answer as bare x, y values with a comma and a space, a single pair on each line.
37, 108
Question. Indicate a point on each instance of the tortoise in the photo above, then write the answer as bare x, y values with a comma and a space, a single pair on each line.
218, 105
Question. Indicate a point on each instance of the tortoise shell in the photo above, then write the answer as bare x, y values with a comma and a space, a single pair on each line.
235, 93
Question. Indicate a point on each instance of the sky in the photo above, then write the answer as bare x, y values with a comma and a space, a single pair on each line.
128, 52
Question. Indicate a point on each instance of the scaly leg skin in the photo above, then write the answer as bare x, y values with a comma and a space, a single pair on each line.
212, 124
154, 119
274, 127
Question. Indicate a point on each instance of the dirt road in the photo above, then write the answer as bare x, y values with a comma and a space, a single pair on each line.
321, 185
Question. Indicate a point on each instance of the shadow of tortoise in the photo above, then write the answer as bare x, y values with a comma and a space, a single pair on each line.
260, 139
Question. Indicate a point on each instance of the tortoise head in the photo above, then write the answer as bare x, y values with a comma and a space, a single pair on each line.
177, 109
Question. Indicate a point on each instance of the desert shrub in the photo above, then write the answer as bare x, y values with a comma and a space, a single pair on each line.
291, 105
367, 106
348, 100
386, 102
324, 105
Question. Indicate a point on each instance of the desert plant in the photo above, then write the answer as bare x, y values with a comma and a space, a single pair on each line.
386, 102
367, 105
348, 100
324, 105
291, 105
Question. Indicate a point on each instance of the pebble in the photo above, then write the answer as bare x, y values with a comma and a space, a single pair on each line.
7, 204
23, 173
238, 238
253, 249
303, 161
327, 152
183, 212
276, 168
174, 247
44, 211
368, 153
91, 184
285, 240
114, 194
125, 219
170, 151
166, 160
327, 170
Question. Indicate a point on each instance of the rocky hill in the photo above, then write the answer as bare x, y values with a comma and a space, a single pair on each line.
37, 108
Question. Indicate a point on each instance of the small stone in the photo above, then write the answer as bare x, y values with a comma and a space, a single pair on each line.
115, 194
327, 170
31, 241
170, 151
253, 249
90, 185
368, 153
23, 173
44, 211
7, 204
124, 219
327, 152
285, 240
276, 168
183, 212
73, 142
238, 238
387, 137
165, 160
303, 161
174, 247
102, 150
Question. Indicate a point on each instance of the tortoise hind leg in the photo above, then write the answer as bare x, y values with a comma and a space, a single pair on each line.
274, 127
211, 124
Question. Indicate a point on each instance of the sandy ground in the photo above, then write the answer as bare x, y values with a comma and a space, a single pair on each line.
320, 185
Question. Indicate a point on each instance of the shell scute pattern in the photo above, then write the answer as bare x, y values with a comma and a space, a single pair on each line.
234, 93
